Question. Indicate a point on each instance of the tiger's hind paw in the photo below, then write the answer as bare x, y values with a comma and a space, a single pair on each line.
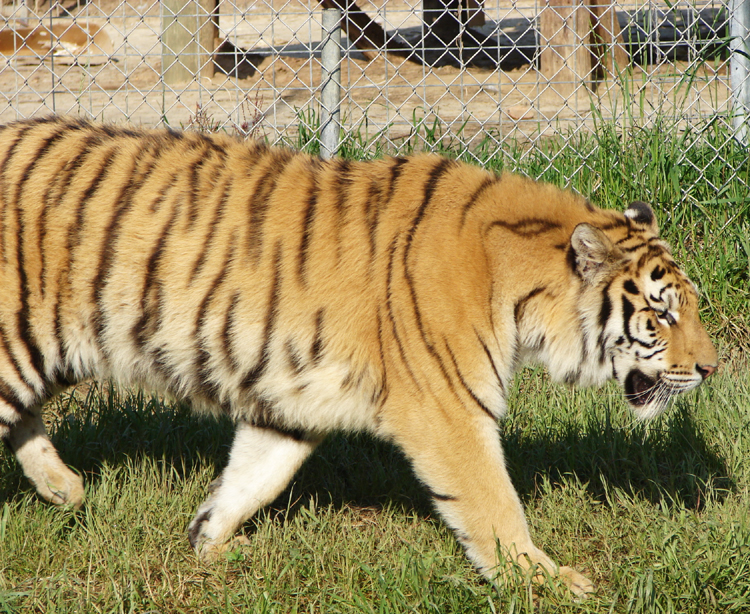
209, 537
60, 486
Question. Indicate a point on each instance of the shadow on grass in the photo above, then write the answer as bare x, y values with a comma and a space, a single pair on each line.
670, 462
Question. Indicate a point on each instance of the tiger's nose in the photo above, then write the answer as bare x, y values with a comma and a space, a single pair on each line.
705, 370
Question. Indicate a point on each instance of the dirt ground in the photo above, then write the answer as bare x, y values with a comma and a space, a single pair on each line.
123, 80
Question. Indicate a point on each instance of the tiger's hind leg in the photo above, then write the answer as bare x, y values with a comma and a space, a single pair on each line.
52, 478
261, 463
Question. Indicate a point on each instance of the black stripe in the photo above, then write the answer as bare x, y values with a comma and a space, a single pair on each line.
218, 217
634, 248
654, 353
616, 223
75, 231
372, 207
631, 287
193, 174
21, 324
395, 169
195, 529
605, 311
466, 386
602, 343
66, 176
381, 353
307, 226
251, 377
9, 395
658, 273
341, 188
59, 333
110, 156
439, 496
122, 205
316, 350
653, 251
260, 201
226, 332
293, 358
520, 305
147, 321
473, 199
25, 332
526, 228
210, 388
380, 394
292, 433
492, 362
389, 307
46, 145
47, 209
10, 153
15, 363
343, 182
572, 261
627, 313
433, 179
218, 280
23, 315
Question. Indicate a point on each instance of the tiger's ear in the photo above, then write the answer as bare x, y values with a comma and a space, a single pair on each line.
642, 213
592, 254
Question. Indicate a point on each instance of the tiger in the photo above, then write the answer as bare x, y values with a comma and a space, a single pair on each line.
301, 297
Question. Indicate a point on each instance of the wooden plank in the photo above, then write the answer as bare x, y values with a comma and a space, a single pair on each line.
189, 36
564, 31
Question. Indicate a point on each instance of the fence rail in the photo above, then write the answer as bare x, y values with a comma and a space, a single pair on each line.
489, 72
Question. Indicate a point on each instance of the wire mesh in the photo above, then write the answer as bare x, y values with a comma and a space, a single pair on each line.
481, 74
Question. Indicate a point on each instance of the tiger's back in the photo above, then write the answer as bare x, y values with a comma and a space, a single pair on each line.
397, 296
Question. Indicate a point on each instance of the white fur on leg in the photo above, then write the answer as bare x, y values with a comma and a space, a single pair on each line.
52, 478
261, 464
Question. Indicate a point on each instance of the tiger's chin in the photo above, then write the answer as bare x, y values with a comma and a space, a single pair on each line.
647, 396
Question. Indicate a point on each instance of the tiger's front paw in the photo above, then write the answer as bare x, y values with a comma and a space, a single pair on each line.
578, 584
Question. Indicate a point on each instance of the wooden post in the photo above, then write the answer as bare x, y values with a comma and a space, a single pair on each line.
577, 37
564, 28
189, 35
609, 51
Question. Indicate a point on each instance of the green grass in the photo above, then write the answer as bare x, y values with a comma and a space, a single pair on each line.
656, 514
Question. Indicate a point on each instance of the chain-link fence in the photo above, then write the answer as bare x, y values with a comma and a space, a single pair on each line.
480, 72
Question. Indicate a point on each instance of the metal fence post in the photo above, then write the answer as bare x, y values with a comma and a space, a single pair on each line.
330, 95
739, 31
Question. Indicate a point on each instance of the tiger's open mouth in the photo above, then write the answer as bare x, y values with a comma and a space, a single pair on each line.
639, 388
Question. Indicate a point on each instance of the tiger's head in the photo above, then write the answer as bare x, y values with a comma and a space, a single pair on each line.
649, 331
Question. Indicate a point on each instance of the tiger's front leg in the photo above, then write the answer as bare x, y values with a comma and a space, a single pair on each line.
459, 457
261, 463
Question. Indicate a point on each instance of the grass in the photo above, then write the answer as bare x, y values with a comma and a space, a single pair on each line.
656, 514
